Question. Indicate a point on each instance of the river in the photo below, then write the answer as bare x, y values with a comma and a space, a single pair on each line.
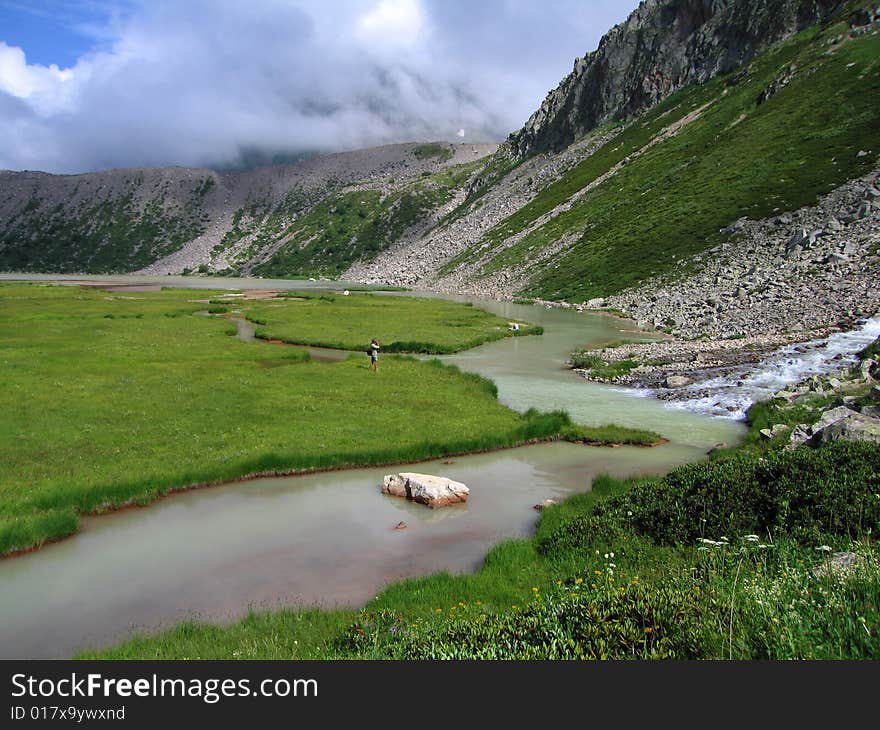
329, 539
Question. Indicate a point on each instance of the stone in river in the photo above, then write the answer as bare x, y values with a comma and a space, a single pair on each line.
426, 489
677, 381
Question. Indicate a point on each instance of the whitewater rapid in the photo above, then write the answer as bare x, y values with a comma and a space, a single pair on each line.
732, 392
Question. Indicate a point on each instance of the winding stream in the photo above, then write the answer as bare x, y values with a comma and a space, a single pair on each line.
329, 539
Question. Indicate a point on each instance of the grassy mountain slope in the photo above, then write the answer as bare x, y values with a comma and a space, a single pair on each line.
770, 137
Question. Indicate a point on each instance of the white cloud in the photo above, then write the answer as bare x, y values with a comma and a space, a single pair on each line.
44, 86
198, 83
392, 23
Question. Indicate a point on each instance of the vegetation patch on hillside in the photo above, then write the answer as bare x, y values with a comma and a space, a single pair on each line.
113, 235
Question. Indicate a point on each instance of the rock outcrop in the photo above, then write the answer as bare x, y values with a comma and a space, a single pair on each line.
662, 46
426, 489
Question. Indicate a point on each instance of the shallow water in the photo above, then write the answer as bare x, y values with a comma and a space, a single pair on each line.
329, 539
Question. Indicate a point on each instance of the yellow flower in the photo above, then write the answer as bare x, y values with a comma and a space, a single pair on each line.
535, 589
592, 585
648, 629
479, 603
578, 580
438, 610
559, 582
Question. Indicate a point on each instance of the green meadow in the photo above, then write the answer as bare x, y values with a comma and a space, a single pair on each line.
402, 324
112, 399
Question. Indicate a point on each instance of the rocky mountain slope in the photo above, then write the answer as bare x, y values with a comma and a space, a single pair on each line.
691, 215
660, 48
170, 220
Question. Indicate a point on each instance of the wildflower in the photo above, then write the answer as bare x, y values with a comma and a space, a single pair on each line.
479, 603
578, 580
751, 538
461, 604
438, 610
629, 513
824, 548
649, 629
559, 582
606, 556
535, 589
611, 554
592, 585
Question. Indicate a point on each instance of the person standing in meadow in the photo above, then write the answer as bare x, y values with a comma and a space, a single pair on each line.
374, 355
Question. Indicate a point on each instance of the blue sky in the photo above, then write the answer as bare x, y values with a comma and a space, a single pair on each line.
91, 84
58, 31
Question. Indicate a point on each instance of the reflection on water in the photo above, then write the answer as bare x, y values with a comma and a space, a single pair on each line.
329, 539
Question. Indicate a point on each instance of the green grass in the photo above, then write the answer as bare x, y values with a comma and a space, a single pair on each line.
113, 400
433, 151
401, 324
739, 158
601, 369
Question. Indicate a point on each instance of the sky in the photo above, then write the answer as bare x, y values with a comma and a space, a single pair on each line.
94, 84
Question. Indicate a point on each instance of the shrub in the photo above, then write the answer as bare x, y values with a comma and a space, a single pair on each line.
812, 495
580, 620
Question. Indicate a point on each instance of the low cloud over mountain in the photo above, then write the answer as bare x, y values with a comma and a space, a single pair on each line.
210, 82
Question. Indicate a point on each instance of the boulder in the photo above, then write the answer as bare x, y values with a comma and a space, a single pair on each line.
771, 433
426, 489
871, 411
800, 434
549, 502
832, 416
855, 428
838, 565
676, 381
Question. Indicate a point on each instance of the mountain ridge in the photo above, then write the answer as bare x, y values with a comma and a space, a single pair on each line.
662, 46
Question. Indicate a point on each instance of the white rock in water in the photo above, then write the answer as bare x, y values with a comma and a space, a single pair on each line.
432, 491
